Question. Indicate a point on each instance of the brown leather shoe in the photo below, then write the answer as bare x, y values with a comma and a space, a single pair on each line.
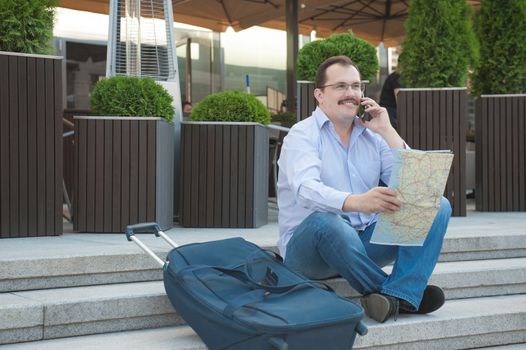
380, 307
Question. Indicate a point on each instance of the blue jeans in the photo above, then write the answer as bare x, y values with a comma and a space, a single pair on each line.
325, 245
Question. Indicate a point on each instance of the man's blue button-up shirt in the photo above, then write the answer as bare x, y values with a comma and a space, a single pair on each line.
317, 172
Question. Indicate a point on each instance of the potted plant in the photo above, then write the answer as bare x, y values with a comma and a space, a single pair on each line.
224, 162
438, 50
124, 157
362, 53
499, 81
30, 121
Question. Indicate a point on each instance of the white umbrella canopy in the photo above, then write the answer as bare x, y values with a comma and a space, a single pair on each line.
216, 15
373, 20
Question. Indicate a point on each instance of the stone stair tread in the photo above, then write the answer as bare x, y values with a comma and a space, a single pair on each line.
460, 324
74, 259
63, 312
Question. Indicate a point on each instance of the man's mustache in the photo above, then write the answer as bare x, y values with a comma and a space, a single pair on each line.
349, 100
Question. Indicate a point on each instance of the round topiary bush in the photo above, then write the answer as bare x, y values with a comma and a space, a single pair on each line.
362, 53
500, 27
126, 96
27, 26
440, 44
231, 106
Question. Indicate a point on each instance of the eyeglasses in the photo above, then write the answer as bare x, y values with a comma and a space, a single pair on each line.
342, 86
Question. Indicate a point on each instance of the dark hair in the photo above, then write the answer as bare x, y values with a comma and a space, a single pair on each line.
321, 76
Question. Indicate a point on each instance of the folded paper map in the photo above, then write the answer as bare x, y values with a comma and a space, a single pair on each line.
419, 178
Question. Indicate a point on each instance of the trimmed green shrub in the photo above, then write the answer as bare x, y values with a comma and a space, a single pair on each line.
440, 44
500, 27
126, 96
358, 50
286, 119
27, 26
231, 106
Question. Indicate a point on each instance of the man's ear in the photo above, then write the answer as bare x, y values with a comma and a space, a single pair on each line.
318, 95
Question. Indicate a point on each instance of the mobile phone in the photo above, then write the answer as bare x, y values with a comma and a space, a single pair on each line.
364, 116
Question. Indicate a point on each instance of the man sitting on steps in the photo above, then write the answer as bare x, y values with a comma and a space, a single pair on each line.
329, 200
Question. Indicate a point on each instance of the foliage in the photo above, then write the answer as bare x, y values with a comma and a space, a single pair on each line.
440, 44
27, 26
231, 106
286, 119
131, 96
500, 27
358, 50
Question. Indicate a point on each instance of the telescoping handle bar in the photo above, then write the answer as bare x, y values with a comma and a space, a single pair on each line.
148, 227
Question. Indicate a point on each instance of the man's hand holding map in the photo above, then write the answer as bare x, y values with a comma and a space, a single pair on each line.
419, 178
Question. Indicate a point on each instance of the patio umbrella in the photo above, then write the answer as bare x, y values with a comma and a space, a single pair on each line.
216, 15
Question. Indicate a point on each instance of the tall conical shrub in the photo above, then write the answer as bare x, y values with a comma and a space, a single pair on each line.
500, 27
27, 26
440, 44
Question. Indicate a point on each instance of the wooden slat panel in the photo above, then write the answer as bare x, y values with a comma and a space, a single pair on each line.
522, 152
194, 204
234, 168
4, 148
478, 154
501, 151
118, 176
241, 176
225, 175
508, 204
210, 164
513, 189
23, 147
461, 149
218, 171
250, 204
202, 175
81, 142
50, 148
458, 172
151, 166
125, 173
98, 202
58, 107
500, 157
90, 176
134, 172
41, 148
186, 175
13, 148
108, 178
32, 146
142, 204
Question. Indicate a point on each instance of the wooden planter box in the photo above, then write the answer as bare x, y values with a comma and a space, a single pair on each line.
306, 103
224, 174
432, 119
30, 145
500, 126
123, 173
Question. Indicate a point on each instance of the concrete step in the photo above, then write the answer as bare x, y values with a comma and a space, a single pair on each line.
467, 279
65, 312
96, 259
460, 324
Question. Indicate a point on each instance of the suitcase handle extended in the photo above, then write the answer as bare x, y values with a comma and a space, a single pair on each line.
148, 227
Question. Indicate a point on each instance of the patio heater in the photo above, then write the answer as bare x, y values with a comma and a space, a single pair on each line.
141, 43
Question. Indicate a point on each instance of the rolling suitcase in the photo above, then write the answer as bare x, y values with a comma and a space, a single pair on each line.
238, 296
